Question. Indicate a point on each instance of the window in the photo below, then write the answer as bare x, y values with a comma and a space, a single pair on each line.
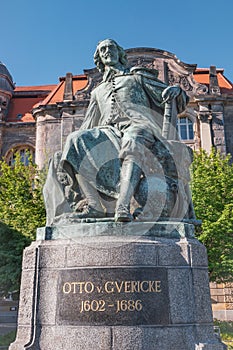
24, 152
185, 128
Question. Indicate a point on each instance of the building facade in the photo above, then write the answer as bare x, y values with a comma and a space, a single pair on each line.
39, 118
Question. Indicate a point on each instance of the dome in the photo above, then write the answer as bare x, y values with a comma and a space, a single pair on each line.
6, 81
4, 71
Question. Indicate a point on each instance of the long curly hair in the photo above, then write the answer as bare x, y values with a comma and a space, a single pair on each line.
122, 55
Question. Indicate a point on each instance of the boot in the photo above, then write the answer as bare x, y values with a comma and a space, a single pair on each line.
94, 208
130, 177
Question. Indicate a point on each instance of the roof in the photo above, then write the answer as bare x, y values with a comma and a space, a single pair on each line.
35, 88
202, 76
79, 82
20, 108
28, 97
24, 98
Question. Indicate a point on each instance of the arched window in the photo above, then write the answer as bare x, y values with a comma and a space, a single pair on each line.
185, 128
24, 151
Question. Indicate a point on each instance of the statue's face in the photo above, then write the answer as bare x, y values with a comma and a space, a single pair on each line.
108, 53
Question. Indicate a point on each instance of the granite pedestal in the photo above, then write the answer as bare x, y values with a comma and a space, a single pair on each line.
107, 286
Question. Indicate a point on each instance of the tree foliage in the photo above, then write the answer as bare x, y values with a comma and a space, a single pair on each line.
21, 212
12, 244
212, 191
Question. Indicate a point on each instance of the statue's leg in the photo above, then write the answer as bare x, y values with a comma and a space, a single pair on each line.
94, 208
85, 153
130, 176
134, 145
109, 204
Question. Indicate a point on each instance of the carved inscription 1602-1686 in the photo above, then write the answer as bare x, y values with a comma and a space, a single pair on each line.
113, 296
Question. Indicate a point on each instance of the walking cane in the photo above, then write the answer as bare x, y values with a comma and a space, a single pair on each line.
167, 119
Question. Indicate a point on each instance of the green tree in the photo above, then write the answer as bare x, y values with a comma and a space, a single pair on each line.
212, 191
21, 212
12, 244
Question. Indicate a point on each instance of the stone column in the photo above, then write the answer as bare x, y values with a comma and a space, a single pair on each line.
67, 126
48, 138
205, 117
218, 133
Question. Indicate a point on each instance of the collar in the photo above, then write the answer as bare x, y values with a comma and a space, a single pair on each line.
110, 72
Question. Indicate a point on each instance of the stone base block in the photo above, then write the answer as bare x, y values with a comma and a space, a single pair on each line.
120, 292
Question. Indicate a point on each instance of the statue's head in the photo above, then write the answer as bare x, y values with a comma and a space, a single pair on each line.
109, 53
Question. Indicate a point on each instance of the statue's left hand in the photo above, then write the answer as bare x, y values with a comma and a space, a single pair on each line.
170, 93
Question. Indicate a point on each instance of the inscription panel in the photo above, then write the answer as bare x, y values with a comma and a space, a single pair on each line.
113, 296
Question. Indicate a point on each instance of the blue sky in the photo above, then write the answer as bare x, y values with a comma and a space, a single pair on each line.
43, 40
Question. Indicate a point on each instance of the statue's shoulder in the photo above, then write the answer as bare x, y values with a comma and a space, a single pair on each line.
97, 88
147, 72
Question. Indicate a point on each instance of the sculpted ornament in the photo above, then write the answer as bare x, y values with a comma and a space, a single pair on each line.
182, 80
126, 162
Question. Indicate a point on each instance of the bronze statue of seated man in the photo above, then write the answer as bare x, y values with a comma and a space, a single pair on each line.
122, 143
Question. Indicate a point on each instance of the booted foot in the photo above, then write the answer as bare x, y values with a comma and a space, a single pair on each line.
122, 214
89, 212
